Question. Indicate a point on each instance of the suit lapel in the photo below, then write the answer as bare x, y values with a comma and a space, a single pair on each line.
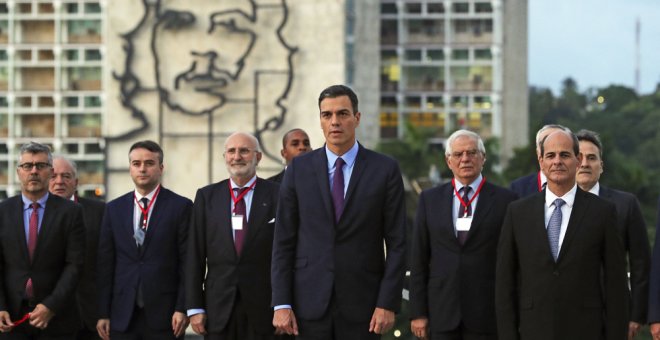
359, 168
17, 215
537, 208
575, 221
127, 229
444, 212
47, 223
258, 209
222, 214
482, 208
159, 208
322, 180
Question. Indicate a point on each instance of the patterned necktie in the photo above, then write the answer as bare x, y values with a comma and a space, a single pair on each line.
464, 212
33, 233
554, 228
338, 188
141, 232
240, 209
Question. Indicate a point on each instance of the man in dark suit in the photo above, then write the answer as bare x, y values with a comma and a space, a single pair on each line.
294, 143
630, 224
560, 265
534, 182
64, 183
339, 251
41, 254
452, 273
232, 232
654, 284
141, 255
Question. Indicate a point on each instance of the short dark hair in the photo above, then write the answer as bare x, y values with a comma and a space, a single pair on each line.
149, 145
34, 148
285, 138
335, 91
592, 137
576, 143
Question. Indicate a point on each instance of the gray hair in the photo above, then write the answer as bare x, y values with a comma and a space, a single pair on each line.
71, 162
548, 127
464, 133
34, 148
249, 135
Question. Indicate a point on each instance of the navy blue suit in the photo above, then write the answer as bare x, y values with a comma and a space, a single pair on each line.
526, 185
317, 262
158, 267
654, 285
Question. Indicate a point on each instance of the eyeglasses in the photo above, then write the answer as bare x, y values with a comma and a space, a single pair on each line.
29, 166
469, 153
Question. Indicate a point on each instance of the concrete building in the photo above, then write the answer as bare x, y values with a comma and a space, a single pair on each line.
455, 64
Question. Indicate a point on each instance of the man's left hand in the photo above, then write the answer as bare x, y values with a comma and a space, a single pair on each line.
40, 316
179, 323
381, 321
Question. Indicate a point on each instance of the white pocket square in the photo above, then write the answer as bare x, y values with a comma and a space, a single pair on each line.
272, 221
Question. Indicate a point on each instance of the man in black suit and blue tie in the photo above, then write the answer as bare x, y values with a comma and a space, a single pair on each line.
629, 222
452, 274
41, 255
339, 251
141, 255
232, 234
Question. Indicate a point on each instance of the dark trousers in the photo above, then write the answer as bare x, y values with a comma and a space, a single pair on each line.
461, 333
87, 334
238, 327
138, 329
333, 326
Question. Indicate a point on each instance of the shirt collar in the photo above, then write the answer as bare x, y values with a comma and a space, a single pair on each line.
348, 157
474, 185
595, 189
149, 196
568, 197
544, 179
247, 185
27, 203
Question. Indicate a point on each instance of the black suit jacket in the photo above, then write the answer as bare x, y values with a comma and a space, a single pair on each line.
582, 296
450, 283
315, 259
158, 267
632, 230
55, 268
526, 185
87, 294
277, 178
654, 289
212, 243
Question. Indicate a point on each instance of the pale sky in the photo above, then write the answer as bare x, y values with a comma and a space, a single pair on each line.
593, 41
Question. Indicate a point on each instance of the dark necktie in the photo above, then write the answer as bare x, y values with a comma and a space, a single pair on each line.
33, 233
554, 228
338, 188
240, 209
464, 212
141, 232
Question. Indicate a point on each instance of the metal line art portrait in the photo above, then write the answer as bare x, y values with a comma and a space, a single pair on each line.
205, 69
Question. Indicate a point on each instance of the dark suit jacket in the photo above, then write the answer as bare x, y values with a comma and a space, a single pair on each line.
654, 289
87, 294
56, 266
526, 185
212, 242
583, 296
277, 178
158, 267
315, 259
632, 230
450, 283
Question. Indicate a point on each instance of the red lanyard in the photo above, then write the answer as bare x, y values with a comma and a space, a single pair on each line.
460, 199
240, 197
145, 212
23, 319
539, 182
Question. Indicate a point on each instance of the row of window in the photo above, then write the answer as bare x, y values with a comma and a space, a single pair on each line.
74, 31
68, 7
432, 31
432, 78
432, 101
37, 101
72, 125
79, 78
435, 54
430, 7
478, 121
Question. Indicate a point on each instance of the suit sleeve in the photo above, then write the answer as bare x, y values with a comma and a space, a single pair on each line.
419, 264
183, 222
284, 244
616, 289
640, 258
195, 269
105, 270
506, 283
391, 285
654, 284
63, 293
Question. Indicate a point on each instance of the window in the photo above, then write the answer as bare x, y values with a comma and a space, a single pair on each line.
435, 8
92, 8
435, 55
92, 55
414, 8
483, 7
388, 8
414, 55
461, 7
483, 54
460, 55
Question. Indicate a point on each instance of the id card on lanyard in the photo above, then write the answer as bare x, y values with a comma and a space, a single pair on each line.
463, 223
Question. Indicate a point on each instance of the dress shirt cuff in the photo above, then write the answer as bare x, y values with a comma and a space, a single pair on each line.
281, 307
194, 311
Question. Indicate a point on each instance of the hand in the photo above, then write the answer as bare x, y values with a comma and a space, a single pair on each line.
5, 322
197, 322
381, 321
419, 327
179, 323
284, 321
103, 328
40, 316
655, 331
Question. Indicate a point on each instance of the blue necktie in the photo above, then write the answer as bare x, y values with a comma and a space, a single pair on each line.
554, 228
338, 188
